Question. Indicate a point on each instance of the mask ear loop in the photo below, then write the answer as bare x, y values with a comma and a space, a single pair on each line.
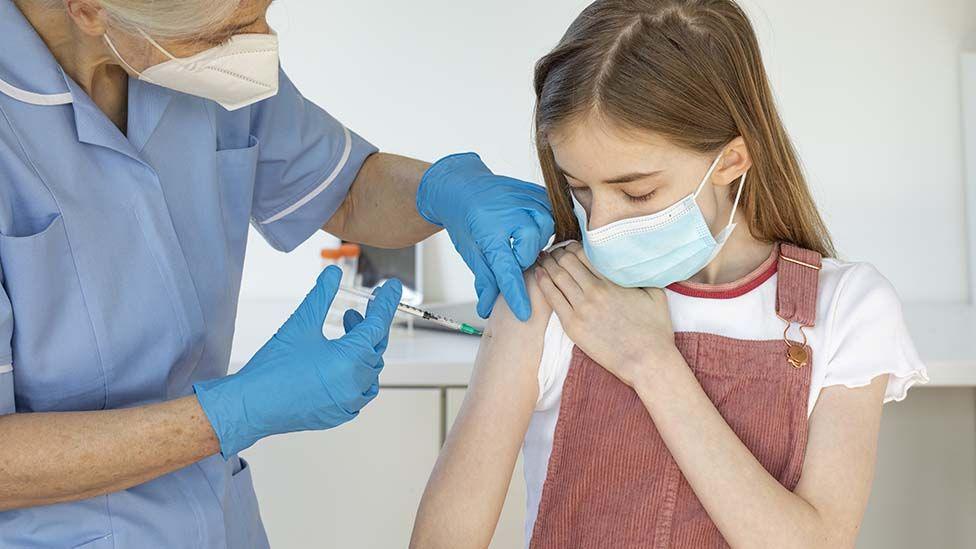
112, 47
156, 45
738, 195
708, 175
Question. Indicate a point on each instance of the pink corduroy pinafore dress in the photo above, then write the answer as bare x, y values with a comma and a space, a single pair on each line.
611, 480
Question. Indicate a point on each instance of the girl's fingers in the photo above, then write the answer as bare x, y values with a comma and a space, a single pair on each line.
552, 294
656, 294
660, 300
563, 280
576, 268
576, 249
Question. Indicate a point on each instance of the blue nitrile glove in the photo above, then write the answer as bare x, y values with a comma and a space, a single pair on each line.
498, 224
300, 380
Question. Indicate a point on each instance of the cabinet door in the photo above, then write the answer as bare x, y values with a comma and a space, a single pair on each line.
357, 486
510, 533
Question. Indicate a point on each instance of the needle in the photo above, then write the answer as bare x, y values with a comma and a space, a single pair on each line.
417, 312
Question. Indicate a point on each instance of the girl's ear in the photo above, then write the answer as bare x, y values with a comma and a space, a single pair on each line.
87, 15
736, 161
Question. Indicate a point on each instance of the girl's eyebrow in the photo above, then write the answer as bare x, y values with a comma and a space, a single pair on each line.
619, 180
631, 177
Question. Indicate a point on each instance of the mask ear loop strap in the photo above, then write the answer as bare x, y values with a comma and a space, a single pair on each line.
156, 45
738, 195
112, 47
708, 176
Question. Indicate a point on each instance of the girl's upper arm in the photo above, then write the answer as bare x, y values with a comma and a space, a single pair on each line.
841, 451
507, 366
870, 359
467, 488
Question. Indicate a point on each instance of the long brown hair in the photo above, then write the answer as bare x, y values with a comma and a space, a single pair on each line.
692, 72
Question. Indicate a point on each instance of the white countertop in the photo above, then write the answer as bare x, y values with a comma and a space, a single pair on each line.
945, 335
420, 358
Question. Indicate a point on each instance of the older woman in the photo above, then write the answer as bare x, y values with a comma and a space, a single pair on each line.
138, 139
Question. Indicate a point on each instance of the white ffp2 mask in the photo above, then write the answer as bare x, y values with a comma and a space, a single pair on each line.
236, 74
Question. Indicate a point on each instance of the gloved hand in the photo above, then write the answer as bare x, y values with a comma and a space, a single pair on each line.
300, 380
498, 224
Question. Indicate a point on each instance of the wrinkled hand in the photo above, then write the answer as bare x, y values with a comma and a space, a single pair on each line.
300, 380
623, 329
498, 225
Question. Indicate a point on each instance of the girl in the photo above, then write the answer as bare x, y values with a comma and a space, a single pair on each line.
738, 406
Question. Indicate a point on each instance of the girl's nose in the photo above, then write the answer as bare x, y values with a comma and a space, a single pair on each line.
599, 213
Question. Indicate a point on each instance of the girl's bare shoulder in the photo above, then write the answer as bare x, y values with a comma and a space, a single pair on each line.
504, 327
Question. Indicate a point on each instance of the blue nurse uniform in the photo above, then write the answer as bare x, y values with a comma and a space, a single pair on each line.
120, 264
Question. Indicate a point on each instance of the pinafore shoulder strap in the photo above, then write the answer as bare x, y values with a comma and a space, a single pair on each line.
798, 277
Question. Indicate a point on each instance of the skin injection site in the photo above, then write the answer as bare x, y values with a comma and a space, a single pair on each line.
449, 274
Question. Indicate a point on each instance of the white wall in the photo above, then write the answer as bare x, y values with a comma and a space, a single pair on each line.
869, 90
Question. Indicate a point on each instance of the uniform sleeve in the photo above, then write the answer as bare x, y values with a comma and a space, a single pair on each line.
6, 352
868, 336
307, 162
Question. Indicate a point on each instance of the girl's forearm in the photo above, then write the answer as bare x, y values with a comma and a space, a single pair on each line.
748, 505
50, 458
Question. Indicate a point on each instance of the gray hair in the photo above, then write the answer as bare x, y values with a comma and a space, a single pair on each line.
167, 19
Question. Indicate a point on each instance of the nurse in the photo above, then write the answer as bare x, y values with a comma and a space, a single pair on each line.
138, 140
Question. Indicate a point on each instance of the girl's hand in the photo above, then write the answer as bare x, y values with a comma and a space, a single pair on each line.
625, 330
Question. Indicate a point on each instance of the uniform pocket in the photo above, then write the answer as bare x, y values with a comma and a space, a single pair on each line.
236, 172
25, 237
249, 527
58, 366
106, 542
6, 389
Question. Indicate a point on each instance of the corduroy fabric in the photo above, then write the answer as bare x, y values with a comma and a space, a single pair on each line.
612, 482
800, 303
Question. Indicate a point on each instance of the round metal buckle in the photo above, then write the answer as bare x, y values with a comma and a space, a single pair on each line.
797, 354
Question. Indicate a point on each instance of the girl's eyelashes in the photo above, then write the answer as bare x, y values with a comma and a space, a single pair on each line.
579, 191
642, 198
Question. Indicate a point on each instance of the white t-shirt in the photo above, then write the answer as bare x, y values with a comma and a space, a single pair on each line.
859, 335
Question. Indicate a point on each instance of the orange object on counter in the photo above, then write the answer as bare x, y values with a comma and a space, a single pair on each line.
343, 251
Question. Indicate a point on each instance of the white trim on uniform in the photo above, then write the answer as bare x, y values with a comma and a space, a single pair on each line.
6, 368
35, 98
347, 151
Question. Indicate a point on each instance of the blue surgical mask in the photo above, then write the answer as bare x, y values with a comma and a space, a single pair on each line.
657, 250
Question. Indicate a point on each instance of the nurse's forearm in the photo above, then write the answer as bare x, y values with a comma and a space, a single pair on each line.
50, 458
381, 207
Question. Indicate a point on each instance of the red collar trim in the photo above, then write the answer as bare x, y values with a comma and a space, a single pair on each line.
735, 289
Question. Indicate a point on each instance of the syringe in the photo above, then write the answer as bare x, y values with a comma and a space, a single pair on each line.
417, 312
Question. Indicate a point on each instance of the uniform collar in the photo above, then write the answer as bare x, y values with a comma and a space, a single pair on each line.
28, 71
